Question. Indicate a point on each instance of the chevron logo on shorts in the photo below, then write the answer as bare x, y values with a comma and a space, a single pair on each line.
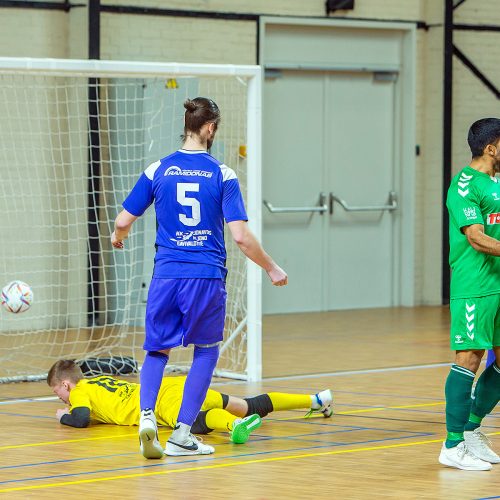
469, 316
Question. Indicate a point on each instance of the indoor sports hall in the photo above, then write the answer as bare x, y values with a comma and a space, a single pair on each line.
344, 121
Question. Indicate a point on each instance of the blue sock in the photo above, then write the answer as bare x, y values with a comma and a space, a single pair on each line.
197, 383
490, 358
151, 376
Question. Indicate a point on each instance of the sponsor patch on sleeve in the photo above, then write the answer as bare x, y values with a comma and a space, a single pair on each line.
470, 213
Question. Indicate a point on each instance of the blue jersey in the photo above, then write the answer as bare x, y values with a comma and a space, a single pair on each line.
193, 193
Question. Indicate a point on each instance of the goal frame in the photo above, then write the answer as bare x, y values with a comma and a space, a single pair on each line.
113, 69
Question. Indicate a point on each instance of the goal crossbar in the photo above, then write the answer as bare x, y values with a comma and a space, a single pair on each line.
101, 68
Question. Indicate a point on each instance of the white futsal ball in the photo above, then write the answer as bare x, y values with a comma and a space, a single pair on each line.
17, 297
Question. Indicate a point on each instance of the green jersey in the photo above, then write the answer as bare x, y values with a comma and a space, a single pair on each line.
473, 198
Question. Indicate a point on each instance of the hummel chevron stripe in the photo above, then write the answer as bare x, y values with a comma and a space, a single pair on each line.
462, 370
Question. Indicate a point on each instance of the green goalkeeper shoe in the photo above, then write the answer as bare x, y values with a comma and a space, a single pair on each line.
243, 427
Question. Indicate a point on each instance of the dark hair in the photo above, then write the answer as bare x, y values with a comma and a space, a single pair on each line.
199, 111
481, 133
64, 369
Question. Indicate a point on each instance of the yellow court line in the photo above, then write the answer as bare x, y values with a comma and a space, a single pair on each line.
46, 443
365, 410
220, 466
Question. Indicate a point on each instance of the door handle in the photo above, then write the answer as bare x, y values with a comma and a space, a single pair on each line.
391, 205
323, 207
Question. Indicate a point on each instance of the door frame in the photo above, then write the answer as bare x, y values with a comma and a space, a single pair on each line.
404, 178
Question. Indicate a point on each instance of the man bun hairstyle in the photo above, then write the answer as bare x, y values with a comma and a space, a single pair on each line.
481, 133
199, 111
64, 369
190, 105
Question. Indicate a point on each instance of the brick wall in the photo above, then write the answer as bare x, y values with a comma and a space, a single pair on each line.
177, 39
33, 33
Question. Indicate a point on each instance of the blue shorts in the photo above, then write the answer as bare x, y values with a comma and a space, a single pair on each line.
183, 311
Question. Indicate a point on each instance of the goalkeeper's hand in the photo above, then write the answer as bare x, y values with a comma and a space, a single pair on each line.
60, 412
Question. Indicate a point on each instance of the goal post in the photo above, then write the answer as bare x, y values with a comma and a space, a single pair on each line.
254, 206
76, 135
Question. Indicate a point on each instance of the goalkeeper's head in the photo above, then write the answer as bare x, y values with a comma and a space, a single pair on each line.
62, 377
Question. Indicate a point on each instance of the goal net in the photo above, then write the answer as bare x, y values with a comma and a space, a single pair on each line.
75, 137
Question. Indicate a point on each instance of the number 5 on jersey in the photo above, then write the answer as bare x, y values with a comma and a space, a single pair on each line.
186, 201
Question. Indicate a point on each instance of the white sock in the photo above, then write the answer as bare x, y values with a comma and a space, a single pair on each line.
324, 396
314, 402
181, 430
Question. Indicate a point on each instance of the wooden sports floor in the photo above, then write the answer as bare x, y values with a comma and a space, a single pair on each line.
387, 368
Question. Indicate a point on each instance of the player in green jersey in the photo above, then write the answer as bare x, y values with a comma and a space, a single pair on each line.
474, 206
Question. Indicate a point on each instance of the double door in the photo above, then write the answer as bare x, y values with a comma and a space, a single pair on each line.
329, 188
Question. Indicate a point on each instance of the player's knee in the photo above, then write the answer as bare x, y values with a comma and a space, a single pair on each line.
236, 406
262, 405
469, 359
163, 355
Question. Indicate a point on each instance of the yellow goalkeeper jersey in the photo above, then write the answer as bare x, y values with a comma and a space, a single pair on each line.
114, 401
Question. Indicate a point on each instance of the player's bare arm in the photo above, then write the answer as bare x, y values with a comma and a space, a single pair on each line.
250, 246
481, 241
123, 224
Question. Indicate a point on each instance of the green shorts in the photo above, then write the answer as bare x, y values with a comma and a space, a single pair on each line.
475, 323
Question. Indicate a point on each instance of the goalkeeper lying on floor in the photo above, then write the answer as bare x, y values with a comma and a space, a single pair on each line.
106, 399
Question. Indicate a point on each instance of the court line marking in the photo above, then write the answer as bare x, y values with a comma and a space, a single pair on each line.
299, 419
364, 410
64, 441
66, 460
347, 412
25, 415
358, 372
271, 379
29, 400
350, 372
220, 466
46, 443
261, 438
398, 407
218, 459
295, 410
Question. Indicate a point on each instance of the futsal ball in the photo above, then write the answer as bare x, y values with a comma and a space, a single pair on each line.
16, 297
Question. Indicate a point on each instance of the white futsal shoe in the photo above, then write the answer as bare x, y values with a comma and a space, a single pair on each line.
182, 442
148, 435
462, 458
321, 403
480, 446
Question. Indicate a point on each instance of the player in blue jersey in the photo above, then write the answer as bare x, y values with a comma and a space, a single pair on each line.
193, 194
